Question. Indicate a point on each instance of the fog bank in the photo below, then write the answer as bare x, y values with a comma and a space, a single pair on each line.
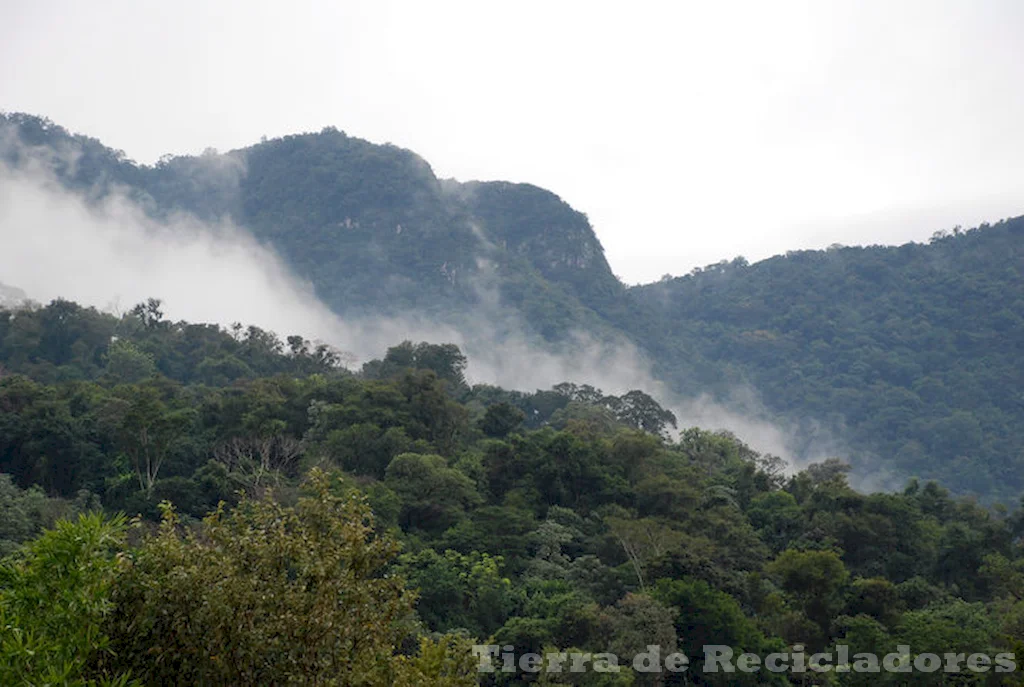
109, 254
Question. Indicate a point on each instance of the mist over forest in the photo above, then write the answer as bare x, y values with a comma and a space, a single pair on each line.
853, 353
447, 381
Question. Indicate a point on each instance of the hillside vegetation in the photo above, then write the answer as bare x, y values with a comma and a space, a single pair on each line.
366, 527
908, 356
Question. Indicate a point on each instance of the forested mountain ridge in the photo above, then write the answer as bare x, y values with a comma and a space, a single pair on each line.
916, 350
370, 226
909, 355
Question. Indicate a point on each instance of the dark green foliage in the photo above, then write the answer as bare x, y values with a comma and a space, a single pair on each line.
435, 496
458, 591
907, 354
444, 360
500, 419
558, 519
64, 341
582, 532
911, 352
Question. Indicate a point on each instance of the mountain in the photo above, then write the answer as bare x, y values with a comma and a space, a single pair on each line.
915, 351
371, 226
908, 356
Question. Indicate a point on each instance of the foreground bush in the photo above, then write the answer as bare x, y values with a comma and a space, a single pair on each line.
54, 599
267, 594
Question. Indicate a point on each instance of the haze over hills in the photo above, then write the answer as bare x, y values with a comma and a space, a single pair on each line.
11, 297
904, 360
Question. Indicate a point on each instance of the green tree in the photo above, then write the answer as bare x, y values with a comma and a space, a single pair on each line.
266, 594
457, 591
640, 411
146, 429
815, 580
500, 419
636, 622
705, 615
54, 606
434, 496
126, 364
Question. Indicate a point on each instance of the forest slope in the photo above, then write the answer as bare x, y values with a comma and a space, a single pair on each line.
908, 355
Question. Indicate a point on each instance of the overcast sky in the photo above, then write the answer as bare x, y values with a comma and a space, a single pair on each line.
688, 132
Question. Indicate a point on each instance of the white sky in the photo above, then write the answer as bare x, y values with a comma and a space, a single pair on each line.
688, 132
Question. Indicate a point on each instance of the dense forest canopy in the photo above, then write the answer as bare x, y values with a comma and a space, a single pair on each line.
190, 503
905, 357
914, 351
269, 482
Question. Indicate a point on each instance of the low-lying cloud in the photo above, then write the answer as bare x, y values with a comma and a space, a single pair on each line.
110, 254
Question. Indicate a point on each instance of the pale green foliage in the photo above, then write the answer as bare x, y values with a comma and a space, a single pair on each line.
268, 594
54, 597
444, 662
